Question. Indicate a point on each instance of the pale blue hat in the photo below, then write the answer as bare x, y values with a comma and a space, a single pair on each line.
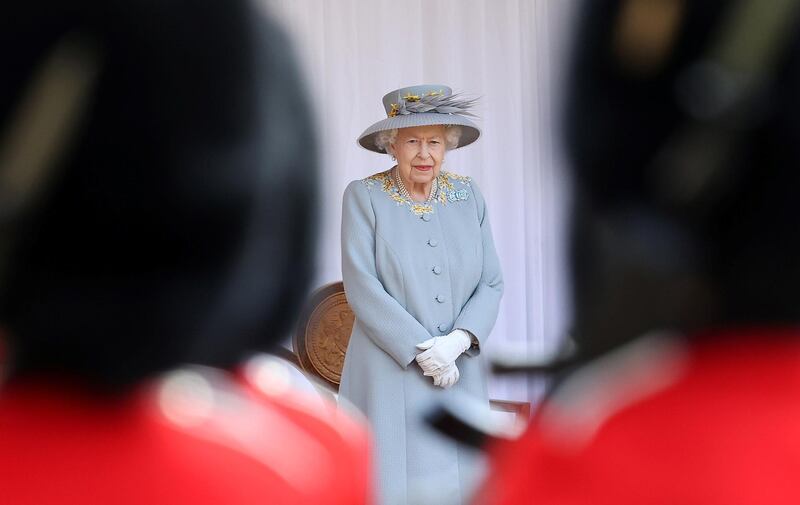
423, 105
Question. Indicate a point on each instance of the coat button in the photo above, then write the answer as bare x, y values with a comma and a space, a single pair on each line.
437, 269
426, 217
433, 242
440, 298
442, 327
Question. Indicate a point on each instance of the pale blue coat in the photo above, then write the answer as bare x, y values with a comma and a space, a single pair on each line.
413, 271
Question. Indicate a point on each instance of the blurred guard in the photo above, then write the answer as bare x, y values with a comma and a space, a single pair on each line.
156, 195
683, 125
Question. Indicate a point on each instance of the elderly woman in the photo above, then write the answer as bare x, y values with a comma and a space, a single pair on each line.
422, 276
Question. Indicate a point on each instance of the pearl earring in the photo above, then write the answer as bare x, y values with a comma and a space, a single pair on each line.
393, 158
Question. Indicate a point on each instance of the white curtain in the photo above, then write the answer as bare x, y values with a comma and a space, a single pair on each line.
508, 52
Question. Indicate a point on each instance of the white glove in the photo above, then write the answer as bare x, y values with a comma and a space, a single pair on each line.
439, 352
448, 377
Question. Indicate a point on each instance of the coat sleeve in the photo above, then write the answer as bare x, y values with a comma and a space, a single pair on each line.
480, 312
382, 317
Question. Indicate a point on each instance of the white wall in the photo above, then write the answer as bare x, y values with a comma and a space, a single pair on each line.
511, 54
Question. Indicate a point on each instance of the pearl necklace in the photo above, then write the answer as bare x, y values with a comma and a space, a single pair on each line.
404, 192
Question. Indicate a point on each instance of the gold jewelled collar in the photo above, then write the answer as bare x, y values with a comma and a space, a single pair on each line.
443, 193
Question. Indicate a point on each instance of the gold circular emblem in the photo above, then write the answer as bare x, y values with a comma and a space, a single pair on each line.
323, 333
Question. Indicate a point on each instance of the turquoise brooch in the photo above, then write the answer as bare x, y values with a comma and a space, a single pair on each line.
459, 195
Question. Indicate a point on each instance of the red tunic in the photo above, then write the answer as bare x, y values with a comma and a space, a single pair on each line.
717, 422
191, 438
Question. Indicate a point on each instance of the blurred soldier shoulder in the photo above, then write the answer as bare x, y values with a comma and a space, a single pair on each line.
665, 421
197, 435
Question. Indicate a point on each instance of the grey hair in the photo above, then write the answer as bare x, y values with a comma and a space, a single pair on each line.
452, 134
383, 139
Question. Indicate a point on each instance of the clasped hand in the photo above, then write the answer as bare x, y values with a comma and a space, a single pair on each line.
438, 359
